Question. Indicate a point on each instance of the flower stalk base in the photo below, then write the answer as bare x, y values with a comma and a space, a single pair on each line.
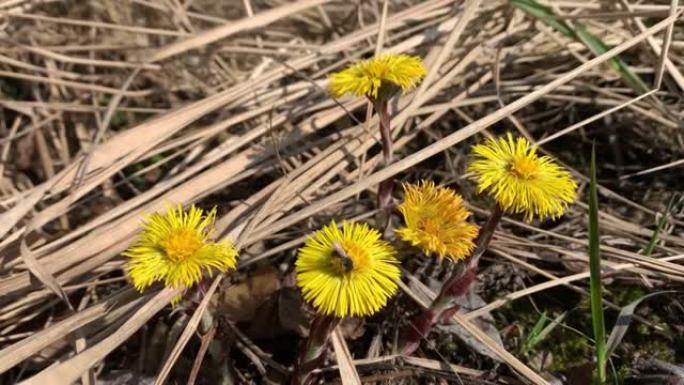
444, 306
312, 352
386, 187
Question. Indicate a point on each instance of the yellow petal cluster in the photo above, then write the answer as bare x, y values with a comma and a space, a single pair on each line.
379, 76
436, 221
347, 271
520, 180
174, 248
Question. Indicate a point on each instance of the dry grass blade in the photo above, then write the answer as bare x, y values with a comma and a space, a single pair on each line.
99, 128
114, 154
204, 347
94, 24
461, 134
75, 85
100, 63
40, 272
67, 372
666, 166
188, 332
416, 362
16, 213
594, 118
221, 32
672, 69
484, 339
22, 350
381, 31
500, 351
547, 285
674, 4
107, 159
345, 362
471, 7
438, 365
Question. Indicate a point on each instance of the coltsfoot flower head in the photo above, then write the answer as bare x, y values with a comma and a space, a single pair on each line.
348, 271
520, 180
436, 221
378, 77
174, 248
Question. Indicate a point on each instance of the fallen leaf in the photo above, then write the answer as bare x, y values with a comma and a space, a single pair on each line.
281, 314
240, 301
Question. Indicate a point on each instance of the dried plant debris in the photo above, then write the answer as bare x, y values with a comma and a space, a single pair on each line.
276, 119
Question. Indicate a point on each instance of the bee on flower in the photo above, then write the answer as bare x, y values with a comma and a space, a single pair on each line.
520, 180
174, 248
347, 271
437, 221
378, 78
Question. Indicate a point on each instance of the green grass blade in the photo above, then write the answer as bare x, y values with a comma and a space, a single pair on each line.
545, 15
581, 34
598, 48
598, 324
659, 227
551, 326
532, 337
541, 330
624, 319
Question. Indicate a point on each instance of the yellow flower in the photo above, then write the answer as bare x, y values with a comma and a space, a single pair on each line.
174, 248
347, 272
436, 221
380, 76
520, 180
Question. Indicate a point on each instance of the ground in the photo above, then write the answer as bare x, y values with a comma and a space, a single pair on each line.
114, 109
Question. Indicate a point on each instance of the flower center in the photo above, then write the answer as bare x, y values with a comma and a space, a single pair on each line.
348, 257
524, 167
182, 244
429, 226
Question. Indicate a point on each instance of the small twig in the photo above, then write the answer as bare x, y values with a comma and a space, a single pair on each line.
204, 347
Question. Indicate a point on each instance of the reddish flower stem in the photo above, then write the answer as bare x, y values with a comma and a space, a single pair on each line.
387, 186
312, 352
444, 305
